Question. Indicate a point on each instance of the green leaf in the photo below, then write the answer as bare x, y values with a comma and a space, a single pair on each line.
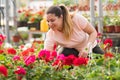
2, 57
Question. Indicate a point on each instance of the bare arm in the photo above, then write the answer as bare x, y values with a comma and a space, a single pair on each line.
91, 32
92, 37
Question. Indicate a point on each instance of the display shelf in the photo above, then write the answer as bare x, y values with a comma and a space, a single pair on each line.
115, 38
1, 15
32, 32
112, 35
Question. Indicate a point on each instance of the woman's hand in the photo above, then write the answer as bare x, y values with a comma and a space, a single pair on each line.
83, 54
86, 50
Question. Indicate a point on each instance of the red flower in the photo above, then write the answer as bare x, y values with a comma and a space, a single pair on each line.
32, 19
53, 55
1, 51
57, 62
80, 61
29, 60
31, 49
27, 13
108, 55
69, 60
25, 53
108, 42
3, 70
19, 77
54, 47
11, 51
21, 46
20, 70
41, 13
28, 52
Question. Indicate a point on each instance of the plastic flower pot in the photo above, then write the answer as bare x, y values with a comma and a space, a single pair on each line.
16, 38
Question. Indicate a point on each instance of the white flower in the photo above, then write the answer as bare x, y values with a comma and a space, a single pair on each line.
27, 45
8, 45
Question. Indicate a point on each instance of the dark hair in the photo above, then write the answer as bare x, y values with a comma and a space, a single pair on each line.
55, 10
67, 21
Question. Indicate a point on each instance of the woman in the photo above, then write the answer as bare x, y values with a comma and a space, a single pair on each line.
75, 34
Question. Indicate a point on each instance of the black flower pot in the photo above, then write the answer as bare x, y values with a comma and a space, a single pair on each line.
21, 23
34, 25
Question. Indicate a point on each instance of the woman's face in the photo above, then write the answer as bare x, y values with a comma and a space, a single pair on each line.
54, 22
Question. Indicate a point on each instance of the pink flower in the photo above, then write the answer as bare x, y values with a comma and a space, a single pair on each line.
61, 57
2, 38
19, 11
59, 60
99, 34
44, 55
20, 70
29, 60
3, 70
16, 57
1, 43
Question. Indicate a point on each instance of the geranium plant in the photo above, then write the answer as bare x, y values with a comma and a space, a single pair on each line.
35, 63
24, 14
36, 17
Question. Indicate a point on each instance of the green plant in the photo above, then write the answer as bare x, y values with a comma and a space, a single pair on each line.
66, 2
36, 17
24, 15
116, 20
35, 63
107, 20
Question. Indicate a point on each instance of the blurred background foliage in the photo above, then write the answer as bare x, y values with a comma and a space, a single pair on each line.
66, 2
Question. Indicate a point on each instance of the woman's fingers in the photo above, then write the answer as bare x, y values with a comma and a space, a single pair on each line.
83, 54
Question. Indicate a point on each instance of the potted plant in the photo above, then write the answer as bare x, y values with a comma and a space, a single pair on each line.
108, 24
23, 17
116, 21
16, 37
34, 20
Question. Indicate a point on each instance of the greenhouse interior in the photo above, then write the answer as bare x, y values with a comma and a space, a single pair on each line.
23, 29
